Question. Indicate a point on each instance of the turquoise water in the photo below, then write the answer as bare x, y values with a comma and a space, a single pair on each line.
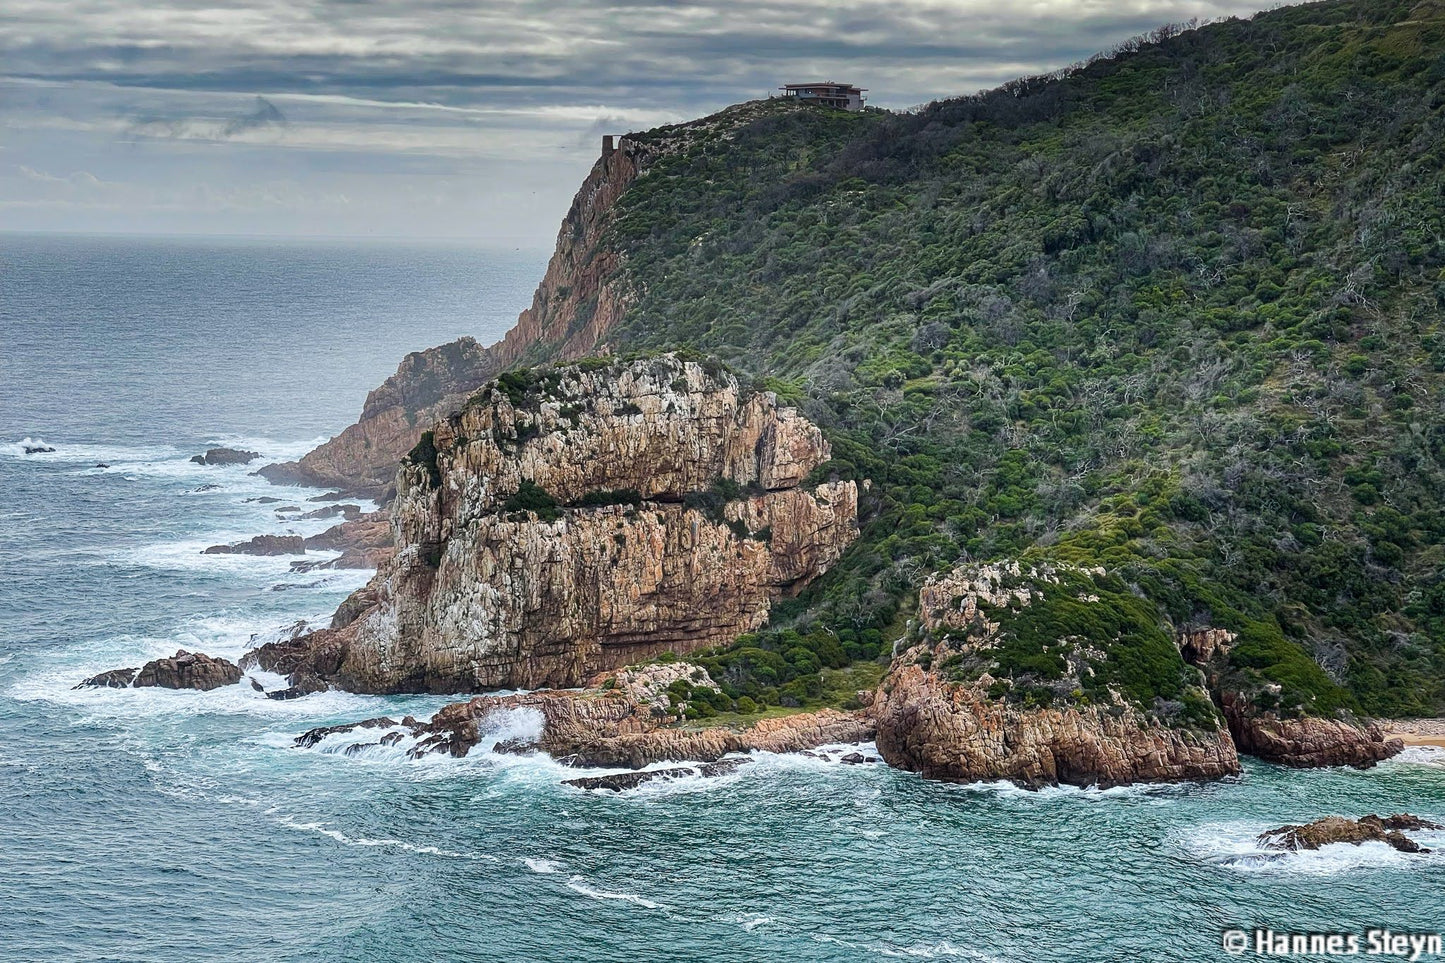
157, 825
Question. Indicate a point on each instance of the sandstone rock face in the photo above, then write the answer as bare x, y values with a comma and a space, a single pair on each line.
674, 510
939, 719
430, 385
958, 734
1302, 741
1336, 829
1306, 741
624, 721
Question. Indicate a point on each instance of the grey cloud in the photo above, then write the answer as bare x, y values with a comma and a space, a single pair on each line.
282, 96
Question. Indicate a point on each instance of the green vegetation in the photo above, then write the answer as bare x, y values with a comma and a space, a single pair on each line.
1175, 312
531, 497
424, 453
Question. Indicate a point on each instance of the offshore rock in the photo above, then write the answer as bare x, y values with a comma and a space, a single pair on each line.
184, 670
1336, 829
958, 726
623, 781
226, 456
262, 545
364, 542
584, 518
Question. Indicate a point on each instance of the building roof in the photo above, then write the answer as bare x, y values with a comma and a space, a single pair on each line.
822, 83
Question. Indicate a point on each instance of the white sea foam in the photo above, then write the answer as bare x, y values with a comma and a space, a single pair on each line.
580, 885
752, 922
1235, 846
1419, 756
362, 841
545, 867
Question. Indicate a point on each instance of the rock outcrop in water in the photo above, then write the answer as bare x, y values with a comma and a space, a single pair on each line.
184, 670
996, 688
226, 456
572, 520
430, 385
1336, 829
1293, 740
621, 720
262, 545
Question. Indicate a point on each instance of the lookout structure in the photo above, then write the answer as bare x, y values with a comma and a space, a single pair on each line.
829, 93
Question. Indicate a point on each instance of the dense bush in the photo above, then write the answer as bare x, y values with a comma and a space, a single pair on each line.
1175, 312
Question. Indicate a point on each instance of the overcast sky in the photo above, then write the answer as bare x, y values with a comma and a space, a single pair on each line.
447, 118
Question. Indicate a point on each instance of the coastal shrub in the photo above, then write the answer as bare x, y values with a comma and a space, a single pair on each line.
424, 453
531, 497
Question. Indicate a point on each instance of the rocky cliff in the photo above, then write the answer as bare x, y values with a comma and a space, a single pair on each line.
1017, 675
1260, 729
574, 519
573, 307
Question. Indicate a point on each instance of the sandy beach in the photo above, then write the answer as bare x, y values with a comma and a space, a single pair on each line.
1415, 732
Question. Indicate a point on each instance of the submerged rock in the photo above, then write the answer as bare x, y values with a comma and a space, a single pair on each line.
961, 707
225, 456
113, 679
311, 737
623, 781
593, 517
1336, 829
262, 545
38, 449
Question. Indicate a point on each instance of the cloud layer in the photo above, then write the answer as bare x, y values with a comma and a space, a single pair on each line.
443, 117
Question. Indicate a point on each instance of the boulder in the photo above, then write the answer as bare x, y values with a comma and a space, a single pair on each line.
188, 670
262, 545
225, 456
1336, 829
38, 449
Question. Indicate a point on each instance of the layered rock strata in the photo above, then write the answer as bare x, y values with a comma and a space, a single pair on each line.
941, 712
572, 520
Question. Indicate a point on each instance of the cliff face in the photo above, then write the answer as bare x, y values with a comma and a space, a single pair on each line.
572, 309
947, 710
584, 518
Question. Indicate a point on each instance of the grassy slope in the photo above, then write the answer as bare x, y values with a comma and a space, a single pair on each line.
1177, 313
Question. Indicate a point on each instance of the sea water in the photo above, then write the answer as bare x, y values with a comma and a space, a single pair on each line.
158, 825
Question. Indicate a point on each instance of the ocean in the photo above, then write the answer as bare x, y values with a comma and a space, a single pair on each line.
153, 825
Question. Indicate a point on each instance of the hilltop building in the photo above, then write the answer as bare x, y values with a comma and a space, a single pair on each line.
828, 93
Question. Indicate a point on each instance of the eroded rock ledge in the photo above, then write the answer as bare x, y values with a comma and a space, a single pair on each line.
622, 720
576, 519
